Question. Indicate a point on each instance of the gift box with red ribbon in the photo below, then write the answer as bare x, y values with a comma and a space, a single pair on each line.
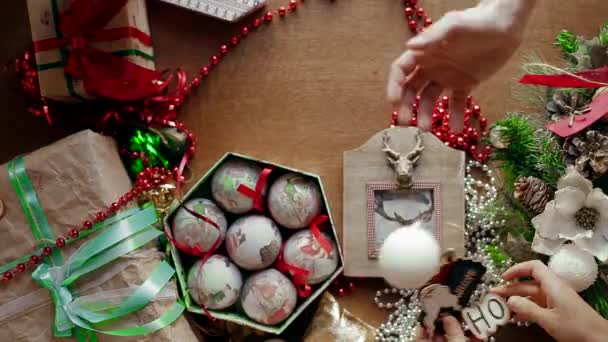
93, 49
321, 228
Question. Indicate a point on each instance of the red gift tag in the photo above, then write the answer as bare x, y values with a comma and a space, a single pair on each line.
598, 108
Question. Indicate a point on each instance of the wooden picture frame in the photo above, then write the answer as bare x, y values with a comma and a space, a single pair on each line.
439, 172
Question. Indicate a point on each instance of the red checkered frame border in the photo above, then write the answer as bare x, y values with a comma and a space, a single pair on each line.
372, 251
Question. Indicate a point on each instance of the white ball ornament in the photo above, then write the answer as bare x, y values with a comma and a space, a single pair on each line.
190, 231
268, 297
226, 181
253, 242
294, 200
304, 251
575, 266
409, 257
216, 284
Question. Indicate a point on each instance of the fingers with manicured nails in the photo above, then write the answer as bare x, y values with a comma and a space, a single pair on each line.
523, 289
452, 327
526, 310
421, 334
398, 75
440, 31
537, 271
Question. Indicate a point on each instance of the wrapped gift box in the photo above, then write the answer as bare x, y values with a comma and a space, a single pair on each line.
73, 179
183, 262
44, 21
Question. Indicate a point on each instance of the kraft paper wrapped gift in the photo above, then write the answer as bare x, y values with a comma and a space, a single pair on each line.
127, 35
73, 179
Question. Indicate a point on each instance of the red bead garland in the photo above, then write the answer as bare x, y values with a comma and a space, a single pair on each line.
143, 180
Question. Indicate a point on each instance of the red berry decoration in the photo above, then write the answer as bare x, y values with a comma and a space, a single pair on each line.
282, 11
413, 26
73, 233
234, 40
244, 32
7, 275
420, 12
34, 259
215, 60
268, 17
223, 49
409, 11
87, 225
293, 4
47, 251
428, 22
256, 23
20, 268
60, 242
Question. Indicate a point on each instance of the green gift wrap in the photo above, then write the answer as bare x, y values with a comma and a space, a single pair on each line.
109, 284
183, 262
127, 34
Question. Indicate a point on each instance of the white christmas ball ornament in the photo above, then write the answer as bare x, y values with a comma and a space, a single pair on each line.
216, 284
191, 232
294, 200
226, 181
575, 266
253, 242
304, 251
268, 297
409, 257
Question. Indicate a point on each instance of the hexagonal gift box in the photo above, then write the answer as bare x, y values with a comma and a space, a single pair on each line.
183, 262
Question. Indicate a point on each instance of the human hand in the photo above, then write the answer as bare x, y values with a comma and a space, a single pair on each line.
549, 302
453, 332
455, 54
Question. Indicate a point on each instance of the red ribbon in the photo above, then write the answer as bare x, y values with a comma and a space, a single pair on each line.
598, 108
258, 194
595, 78
103, 74
298, 274
316, 232
197, 251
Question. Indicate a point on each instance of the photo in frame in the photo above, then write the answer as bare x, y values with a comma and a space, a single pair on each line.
390, 207
413, 177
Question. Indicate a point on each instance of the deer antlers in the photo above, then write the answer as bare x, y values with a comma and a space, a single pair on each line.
404, 166
423, 216
414, 154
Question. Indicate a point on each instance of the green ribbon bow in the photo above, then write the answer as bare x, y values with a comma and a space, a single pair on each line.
80, 317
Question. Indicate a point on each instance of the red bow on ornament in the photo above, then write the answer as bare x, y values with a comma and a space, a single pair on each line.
596, 78
103, 74
258, 194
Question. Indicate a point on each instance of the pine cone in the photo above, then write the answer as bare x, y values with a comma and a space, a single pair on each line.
588, 153
533, 194
563, 104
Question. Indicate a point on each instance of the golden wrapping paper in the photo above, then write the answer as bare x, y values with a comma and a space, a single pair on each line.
333, 323
330, 322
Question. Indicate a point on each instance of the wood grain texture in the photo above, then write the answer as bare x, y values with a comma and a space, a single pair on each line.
300, 93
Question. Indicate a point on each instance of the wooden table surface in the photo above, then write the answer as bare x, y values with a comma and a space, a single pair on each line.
300, 92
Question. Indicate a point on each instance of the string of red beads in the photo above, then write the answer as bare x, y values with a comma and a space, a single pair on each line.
144, 181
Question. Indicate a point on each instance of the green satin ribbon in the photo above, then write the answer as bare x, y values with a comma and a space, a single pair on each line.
121, 237
31, 207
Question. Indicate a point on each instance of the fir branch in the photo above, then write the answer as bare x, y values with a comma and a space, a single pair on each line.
603, 35
519, 158
567, 42
549, 161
